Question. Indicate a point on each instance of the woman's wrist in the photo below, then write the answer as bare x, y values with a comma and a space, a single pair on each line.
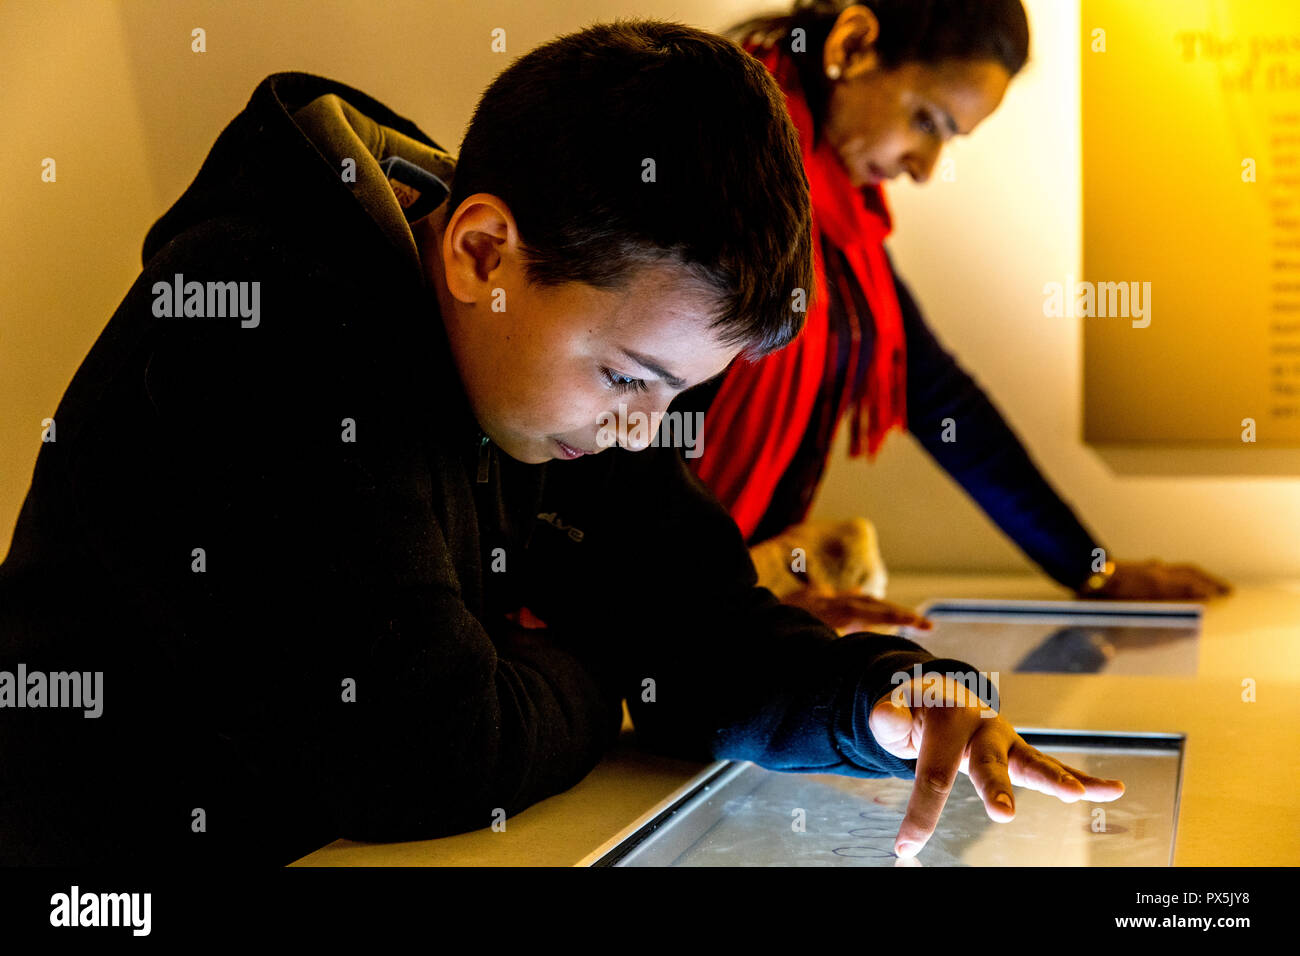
1096, 582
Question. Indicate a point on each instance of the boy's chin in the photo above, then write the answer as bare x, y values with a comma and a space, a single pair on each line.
538, 451
535, 452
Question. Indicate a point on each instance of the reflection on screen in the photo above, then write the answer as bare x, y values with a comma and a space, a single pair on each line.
1065, 637
754, 819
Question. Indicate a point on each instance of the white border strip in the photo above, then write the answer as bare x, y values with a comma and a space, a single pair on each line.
653, 812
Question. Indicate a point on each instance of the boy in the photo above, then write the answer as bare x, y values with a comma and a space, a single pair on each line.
339, 444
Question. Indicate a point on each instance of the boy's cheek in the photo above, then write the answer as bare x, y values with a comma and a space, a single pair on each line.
524, 417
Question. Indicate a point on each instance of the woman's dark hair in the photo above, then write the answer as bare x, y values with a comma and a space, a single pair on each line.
925, 31
565, 135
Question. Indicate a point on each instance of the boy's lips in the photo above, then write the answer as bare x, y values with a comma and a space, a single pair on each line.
568, 451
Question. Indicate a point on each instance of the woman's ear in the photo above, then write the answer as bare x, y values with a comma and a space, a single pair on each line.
850, 46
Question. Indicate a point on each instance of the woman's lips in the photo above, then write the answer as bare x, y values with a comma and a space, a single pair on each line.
568, 451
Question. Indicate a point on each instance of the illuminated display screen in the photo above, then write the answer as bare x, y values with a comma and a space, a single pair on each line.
747, 816
1065, 637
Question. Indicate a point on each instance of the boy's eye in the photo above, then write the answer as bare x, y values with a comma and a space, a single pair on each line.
927, 125
623, 383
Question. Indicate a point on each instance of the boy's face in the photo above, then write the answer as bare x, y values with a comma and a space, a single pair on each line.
550, 369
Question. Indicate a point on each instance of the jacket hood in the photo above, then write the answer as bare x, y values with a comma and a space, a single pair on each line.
302, 137
324, 163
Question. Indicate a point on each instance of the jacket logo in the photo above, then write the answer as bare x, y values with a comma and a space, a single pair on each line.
553, 519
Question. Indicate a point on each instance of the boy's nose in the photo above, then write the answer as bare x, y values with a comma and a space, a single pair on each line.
639, 424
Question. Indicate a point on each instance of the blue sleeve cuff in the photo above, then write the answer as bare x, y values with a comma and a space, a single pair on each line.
851, 734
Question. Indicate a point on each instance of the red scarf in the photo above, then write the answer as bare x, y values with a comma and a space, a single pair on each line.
763, 408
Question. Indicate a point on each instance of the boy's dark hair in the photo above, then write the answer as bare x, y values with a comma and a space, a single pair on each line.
562, 136
925, 31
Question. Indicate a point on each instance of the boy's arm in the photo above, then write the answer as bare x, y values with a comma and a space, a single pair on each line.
712, 665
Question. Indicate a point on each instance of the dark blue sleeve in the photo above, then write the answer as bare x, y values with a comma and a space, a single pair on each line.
713, 667
987, 458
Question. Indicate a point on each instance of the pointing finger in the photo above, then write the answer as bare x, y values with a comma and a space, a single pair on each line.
936, 771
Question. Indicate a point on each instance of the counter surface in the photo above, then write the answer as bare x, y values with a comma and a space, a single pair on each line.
1239, 802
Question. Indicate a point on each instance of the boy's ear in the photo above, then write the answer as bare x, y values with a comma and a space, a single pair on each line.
479, 235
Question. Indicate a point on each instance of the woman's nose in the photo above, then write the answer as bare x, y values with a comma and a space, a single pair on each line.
920, 164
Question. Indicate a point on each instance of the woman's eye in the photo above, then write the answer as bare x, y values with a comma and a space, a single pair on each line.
623, 383
928, 126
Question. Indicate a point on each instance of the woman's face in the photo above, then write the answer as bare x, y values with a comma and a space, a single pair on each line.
883, 123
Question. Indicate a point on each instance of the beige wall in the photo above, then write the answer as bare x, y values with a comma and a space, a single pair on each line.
113, 93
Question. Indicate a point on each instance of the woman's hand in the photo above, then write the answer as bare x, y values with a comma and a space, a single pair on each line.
849, 612
955, 731
1155, 581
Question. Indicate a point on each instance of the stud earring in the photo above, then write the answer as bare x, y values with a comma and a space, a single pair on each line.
833, 71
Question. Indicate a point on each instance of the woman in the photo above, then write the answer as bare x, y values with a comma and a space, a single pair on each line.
876, 89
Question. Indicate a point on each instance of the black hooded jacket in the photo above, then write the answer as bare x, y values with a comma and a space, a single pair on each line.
281, 537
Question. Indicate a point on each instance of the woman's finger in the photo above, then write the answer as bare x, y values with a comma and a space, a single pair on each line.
882, 612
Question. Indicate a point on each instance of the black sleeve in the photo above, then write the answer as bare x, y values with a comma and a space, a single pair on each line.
987, 458
663, 594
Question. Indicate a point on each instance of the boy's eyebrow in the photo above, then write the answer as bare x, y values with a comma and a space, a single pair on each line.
651, 365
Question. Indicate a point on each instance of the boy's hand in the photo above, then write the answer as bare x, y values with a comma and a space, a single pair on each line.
849, 612
955, 731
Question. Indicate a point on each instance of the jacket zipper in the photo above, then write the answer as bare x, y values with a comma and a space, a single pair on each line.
484, 458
